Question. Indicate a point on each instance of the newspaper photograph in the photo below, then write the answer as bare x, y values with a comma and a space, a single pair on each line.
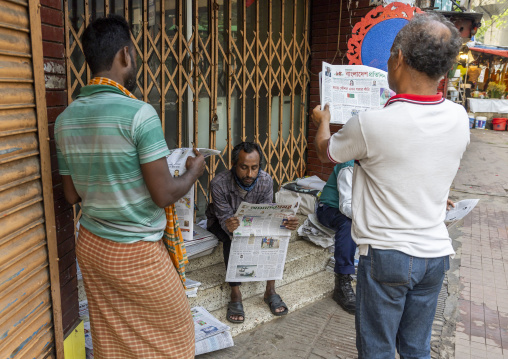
185, 206
351, 89
259, 245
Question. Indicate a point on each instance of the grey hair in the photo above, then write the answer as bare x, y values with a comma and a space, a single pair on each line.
428, 47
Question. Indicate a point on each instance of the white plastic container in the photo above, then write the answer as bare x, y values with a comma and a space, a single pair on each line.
471, 120
480, 122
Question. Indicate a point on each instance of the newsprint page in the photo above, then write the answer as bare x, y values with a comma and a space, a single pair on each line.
209, 333
351, 89
185, 206
260, 243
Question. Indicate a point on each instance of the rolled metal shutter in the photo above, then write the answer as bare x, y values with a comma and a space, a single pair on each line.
27, 323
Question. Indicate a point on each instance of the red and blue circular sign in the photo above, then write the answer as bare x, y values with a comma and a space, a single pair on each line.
373, 36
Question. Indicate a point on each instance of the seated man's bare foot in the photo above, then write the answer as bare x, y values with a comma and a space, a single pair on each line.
274, 301
235, 313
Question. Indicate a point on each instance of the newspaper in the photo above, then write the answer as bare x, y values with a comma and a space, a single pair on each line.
219, 341
191, 289
264, 219
260, 243
185, 206
350, 89
210, 333
205, 324
461, 209
316, 232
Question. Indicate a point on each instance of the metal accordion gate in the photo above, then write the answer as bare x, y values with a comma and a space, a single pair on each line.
218, 72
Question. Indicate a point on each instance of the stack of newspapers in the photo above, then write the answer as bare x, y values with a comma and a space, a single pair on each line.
202, 243
210, 333
315, 232
192, 287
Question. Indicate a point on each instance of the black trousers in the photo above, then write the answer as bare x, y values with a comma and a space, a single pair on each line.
226, 246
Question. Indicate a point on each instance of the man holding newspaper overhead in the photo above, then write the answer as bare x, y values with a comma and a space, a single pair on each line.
245, 182
407, 155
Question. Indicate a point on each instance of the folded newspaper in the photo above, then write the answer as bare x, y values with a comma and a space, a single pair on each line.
351, 89
318, 234
185, 206
260, 243
461, 209
192, 287
202, 243
210, 333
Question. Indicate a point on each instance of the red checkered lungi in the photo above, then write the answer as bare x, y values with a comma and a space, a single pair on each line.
137, 304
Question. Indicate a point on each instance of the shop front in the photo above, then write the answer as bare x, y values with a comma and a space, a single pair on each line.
485, 74
217, 72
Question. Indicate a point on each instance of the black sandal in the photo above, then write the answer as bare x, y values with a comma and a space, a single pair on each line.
274, 302
235, 308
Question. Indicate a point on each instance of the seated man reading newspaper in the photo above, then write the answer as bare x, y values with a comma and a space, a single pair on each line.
245, 182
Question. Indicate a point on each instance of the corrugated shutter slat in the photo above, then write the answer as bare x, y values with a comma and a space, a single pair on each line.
26, 323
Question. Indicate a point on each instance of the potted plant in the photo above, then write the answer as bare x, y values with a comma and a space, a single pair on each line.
495, 90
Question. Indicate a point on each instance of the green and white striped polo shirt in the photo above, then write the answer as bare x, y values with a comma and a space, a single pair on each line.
102, 139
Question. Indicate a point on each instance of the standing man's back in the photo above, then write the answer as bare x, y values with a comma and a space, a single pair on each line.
407, 155
412, 153
104, 137
112, 158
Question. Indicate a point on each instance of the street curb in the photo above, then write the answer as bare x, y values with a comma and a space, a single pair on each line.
447, 346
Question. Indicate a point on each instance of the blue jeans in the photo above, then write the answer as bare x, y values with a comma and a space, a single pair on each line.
345, 247
396, 299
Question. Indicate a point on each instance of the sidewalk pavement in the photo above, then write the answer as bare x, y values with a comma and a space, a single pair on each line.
482, 315
474, 321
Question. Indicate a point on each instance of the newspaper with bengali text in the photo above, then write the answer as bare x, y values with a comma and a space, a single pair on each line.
260, 243
185, 206
351, 89
210, 333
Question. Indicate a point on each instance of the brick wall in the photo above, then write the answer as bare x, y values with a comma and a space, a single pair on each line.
324, 36
53, 38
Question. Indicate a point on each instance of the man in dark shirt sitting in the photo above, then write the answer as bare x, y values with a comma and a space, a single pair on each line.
245, 182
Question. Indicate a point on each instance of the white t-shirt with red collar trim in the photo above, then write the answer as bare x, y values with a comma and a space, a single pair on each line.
408, 154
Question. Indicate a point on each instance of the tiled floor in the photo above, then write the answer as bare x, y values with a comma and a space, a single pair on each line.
482, 323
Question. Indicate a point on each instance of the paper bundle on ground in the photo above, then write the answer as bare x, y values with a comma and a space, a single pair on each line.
350, 89
88, 341
314, 231
306, 188
202, 243
260, 243
210, 334
192, 287
83, 309
313, 182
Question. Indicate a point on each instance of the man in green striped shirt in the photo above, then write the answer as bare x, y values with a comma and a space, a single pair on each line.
112, 158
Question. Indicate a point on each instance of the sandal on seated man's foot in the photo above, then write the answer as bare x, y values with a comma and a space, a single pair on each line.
235, 309
274, 301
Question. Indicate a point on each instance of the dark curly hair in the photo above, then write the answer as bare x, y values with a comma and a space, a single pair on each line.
429, 43
102, 39
247, 147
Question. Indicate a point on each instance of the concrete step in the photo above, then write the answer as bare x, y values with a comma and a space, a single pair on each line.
206, 261
303, 259
296, 295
